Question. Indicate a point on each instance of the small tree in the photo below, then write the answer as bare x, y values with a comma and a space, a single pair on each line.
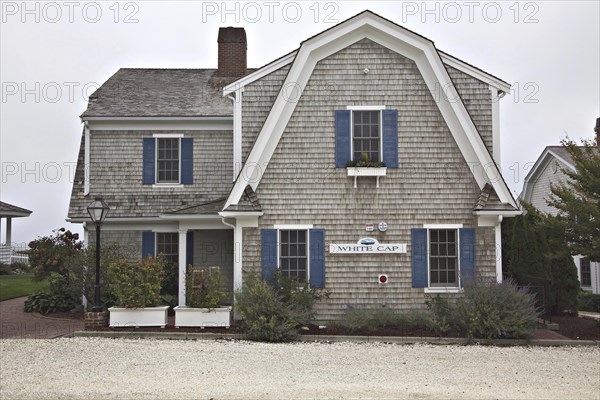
578, 200
50, 253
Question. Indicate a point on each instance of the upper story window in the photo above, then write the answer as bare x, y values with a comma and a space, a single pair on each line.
366, 135
168, 159
370, 130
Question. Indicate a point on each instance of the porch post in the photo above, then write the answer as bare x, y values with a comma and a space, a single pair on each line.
182, 265
8, 231
498, 231
237, 257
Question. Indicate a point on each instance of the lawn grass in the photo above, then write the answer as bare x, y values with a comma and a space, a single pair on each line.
12, 286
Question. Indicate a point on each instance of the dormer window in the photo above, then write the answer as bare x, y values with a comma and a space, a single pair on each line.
366, 135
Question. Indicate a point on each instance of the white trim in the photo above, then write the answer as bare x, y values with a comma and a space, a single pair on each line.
224, 124
162, 118
401, 41
443, 289
293, 227
238, 214
266, 70
167, 186
237, 133
495, 125
474, 72
498, 242
86, 161
446, 58
168, 135
443, 226
365, 108
182, 248
179, 217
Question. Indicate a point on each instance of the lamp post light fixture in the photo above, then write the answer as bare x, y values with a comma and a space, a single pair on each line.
98, 210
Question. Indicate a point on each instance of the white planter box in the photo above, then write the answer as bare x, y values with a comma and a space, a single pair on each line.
366, 171
202, 317
147, 316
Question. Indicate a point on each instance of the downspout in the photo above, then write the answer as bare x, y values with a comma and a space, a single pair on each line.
237, 132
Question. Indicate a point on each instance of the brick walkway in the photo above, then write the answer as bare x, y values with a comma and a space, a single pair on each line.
15, 323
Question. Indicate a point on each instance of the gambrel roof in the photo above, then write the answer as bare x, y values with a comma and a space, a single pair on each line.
431, 65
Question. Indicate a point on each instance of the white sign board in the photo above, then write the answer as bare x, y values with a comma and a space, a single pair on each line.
367, 246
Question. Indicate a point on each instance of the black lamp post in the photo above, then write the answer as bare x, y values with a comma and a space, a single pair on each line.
98, 210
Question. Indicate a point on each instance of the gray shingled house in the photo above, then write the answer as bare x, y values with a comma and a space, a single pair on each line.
548, 171
248, 170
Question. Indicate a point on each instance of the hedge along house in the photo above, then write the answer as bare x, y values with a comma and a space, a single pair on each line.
255, 177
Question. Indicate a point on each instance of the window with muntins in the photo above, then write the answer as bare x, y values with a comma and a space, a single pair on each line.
167, 160
293, 256
443, 257
366, 135
167, 244
585, 272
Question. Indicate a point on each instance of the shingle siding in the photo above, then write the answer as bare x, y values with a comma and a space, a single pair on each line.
550, 174
259, 97
477, 98
431, 185
129, 241
116, 174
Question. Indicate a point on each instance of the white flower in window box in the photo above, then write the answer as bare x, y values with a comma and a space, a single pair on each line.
366, 167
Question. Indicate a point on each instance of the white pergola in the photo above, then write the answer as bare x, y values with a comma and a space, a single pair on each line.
9, 212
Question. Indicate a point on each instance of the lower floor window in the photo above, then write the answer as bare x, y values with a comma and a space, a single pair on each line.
167, 244
293, 260
585, 272
443, 257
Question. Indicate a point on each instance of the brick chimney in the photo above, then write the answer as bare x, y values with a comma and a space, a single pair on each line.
232, 52
597, 130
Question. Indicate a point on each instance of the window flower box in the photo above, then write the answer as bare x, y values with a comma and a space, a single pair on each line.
366, 171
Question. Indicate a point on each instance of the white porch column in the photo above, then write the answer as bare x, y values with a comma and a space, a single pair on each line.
182, 265
498, 231
8, 231
238, 239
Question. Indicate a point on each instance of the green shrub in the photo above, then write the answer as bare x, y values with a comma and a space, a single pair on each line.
272, 311
5, 269
137, 284
50, 253
58, 296
204, 288
487, 310
589, 301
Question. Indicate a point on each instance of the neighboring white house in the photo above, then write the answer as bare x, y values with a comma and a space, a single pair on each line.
548, 171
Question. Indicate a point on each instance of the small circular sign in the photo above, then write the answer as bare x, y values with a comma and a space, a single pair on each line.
382, 226
383, 278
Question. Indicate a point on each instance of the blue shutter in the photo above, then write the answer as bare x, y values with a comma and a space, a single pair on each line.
269, 253
390, 138
187, 161
467, 254
419, 258
317, 258
342, 138
148, 169
148, 240
189, 256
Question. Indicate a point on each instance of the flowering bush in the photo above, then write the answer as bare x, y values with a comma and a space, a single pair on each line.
50, 253
137, 284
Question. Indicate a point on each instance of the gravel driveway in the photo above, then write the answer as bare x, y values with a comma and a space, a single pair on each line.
95, 368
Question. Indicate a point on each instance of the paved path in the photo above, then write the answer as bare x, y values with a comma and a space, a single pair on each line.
15, 323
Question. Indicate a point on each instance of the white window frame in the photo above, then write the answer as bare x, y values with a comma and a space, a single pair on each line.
156, 233
158, 184
305, 228
581, 261
444, 289
366, 108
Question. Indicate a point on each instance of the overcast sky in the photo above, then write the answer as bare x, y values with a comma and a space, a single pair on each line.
54, 54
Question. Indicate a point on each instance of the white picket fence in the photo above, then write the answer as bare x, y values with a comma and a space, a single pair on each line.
11, 254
